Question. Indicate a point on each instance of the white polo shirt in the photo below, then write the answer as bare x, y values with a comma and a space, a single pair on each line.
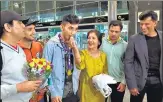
12, 73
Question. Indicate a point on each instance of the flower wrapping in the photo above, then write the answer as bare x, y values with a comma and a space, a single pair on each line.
38, 69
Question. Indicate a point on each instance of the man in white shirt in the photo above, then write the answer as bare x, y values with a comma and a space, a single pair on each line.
14, 85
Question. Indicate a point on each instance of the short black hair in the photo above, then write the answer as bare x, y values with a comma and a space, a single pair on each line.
147, 14
116, 23
98, 34
72, 19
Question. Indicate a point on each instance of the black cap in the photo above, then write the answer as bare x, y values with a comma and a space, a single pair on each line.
8, 16
30, 22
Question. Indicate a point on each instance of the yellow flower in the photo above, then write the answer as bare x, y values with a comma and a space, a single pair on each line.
48, 67
43, 60
69, 72
31, 64
35, 60
44, 63
40, 66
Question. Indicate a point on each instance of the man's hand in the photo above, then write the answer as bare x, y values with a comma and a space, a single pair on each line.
56, 99
121, 87
28, 86
134, 92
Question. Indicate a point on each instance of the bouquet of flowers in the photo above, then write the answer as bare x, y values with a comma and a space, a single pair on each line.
38, 69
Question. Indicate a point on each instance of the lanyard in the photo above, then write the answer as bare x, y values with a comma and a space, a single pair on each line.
67, 55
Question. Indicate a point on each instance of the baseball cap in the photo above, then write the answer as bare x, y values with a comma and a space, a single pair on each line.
30, 22
8, 16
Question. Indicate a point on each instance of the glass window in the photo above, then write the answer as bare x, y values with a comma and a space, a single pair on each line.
4, 4
83, 2
86, 10
54, 31
10, 7
47, 16
119, 4
33, 16
30, 6
60, 12
104, 7
122, 7
63, 3
18, 7
124, 32
81, 39
17, 2
46, 5
2, 9
11, 3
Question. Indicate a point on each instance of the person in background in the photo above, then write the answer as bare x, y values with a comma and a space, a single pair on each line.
64, 77
91, 62
103, 35
32, 49
143, 61
14, 84
47, 39
114, 46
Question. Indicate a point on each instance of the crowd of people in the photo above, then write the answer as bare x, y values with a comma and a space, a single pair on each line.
136, 64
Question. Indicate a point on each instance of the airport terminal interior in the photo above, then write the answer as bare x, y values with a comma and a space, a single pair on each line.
93, 15
53, 11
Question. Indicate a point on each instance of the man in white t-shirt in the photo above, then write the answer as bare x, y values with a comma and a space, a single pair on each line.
14, 85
